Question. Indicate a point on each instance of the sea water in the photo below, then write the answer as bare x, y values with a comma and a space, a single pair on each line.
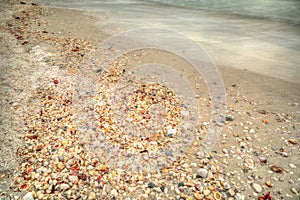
259, 35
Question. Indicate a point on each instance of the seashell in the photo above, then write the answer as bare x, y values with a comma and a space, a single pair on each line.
265, 121
276, 169
269, 184
217, 195
293, 141
24, 186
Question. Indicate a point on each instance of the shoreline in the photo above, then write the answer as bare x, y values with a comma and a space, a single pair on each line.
251, 98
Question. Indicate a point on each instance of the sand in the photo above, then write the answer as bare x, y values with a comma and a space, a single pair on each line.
265, 110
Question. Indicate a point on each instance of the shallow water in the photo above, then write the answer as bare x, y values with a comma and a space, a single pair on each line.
260, 36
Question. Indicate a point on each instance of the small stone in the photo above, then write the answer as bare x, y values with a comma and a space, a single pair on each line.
64, 186
198, 196
293, 190
276, 169
172, 131
291, 165
252, 131
284, 154
114, 193
225, 151
181, 184
265, 121
152, 195
151, 185
206, 192
238, 196
28, 196
61, 158
231, 192
257, 188
60, 166
46, 164
269, 184
229, 118
293, 141
202, 173
263, 112
263, 160
226, 185
249, 163
73, 179
92, 196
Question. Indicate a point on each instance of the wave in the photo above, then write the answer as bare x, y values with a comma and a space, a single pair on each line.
287, 11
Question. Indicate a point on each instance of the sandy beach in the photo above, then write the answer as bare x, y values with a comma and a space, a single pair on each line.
43, 154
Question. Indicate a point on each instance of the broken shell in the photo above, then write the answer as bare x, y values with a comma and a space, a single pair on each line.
276, 169
269, 184
293, 141
217, 195
24, 186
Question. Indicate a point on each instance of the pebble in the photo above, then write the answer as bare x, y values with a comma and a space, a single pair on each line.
238, 196
151, 185
180, 184
28, 196
252, 131
249, 163
202, 172
60, 166
291, 165
231, 192
263, 160
61, 158
92, 196
293, 141
73, 179
172, 131
276, 169
206, 192
152, 195
64, 186
293, 190
256, 187
114, 193
197, 196
229, 118
269, 184
226, 185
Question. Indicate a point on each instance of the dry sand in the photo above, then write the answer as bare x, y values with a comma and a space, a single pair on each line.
251, 98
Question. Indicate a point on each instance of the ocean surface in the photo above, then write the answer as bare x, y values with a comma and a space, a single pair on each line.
259, 35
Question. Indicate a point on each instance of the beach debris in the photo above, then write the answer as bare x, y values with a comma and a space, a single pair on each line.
293, 141
269, 184
256, 187
276, 169
265, 121
265, 197
263, 112
229, 118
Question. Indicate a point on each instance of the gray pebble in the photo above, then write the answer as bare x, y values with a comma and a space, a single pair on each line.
238, 196
28, 196
202, 172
